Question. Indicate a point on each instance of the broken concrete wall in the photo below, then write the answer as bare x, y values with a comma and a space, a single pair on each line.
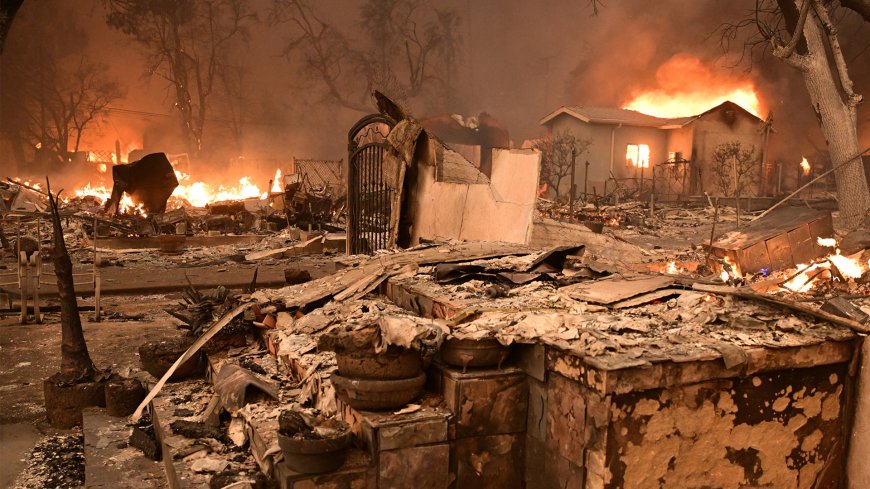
778, 428
549, 233
858, 470
449, 198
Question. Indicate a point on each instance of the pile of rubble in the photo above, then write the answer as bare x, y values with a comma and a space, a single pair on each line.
327, 340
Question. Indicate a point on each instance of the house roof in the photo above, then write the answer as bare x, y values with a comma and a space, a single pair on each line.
606, 115
612, 115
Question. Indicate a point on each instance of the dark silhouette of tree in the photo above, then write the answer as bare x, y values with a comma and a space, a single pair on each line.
52, 95
802, 35
730, 158
557, 154
188, 43
407, 49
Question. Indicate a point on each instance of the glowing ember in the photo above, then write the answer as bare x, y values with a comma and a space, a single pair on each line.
827, 242
672, 269
805, 166
277, 184
687, 87
27, 183
729, 271
102, 168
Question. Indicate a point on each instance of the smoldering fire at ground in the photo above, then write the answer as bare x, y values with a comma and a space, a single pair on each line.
646, 278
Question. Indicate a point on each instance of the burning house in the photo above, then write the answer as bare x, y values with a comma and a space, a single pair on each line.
629, 145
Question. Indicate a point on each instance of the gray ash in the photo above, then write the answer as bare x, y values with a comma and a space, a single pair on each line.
57, 461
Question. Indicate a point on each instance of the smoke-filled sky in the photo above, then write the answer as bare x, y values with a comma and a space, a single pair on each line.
519, 60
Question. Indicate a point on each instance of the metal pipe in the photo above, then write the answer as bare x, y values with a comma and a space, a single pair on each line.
613, 145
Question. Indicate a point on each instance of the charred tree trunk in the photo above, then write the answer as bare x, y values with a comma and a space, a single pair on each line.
830, 89
75, 361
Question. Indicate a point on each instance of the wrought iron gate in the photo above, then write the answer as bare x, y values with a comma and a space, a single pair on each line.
370, 197
671, 180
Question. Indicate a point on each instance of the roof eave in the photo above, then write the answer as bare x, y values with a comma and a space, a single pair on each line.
560, 111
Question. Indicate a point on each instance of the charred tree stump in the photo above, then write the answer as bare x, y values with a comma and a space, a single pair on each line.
75, 385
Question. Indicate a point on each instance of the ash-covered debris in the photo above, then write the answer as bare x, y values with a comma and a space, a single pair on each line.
57, 461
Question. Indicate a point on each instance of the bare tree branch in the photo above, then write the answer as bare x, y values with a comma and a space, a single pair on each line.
852, 99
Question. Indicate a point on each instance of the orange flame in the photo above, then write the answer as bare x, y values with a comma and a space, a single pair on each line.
805, 166
849, 267
277, 183
102, 194
200, 194
196, 194
687, 87
726, 275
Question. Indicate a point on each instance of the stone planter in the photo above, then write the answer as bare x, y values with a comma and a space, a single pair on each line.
123, 396
356, 356
64, 402
157, 356
395, 363
378, 395
314, 455
487, 352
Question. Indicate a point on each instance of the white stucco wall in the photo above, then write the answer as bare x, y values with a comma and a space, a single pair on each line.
501, 210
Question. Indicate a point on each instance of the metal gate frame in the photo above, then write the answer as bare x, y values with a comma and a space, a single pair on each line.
670, 180
370, 199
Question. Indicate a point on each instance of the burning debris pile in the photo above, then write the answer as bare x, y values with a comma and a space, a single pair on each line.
150, 197
792, 252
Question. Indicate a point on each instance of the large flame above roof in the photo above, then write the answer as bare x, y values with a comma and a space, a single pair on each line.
687, 87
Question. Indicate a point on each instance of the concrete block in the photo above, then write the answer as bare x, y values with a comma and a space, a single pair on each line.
486, 401
532, 359
566, 419
489, 462
380, 431
544, 469
536, 424
426, 467
354, 474
772, 429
